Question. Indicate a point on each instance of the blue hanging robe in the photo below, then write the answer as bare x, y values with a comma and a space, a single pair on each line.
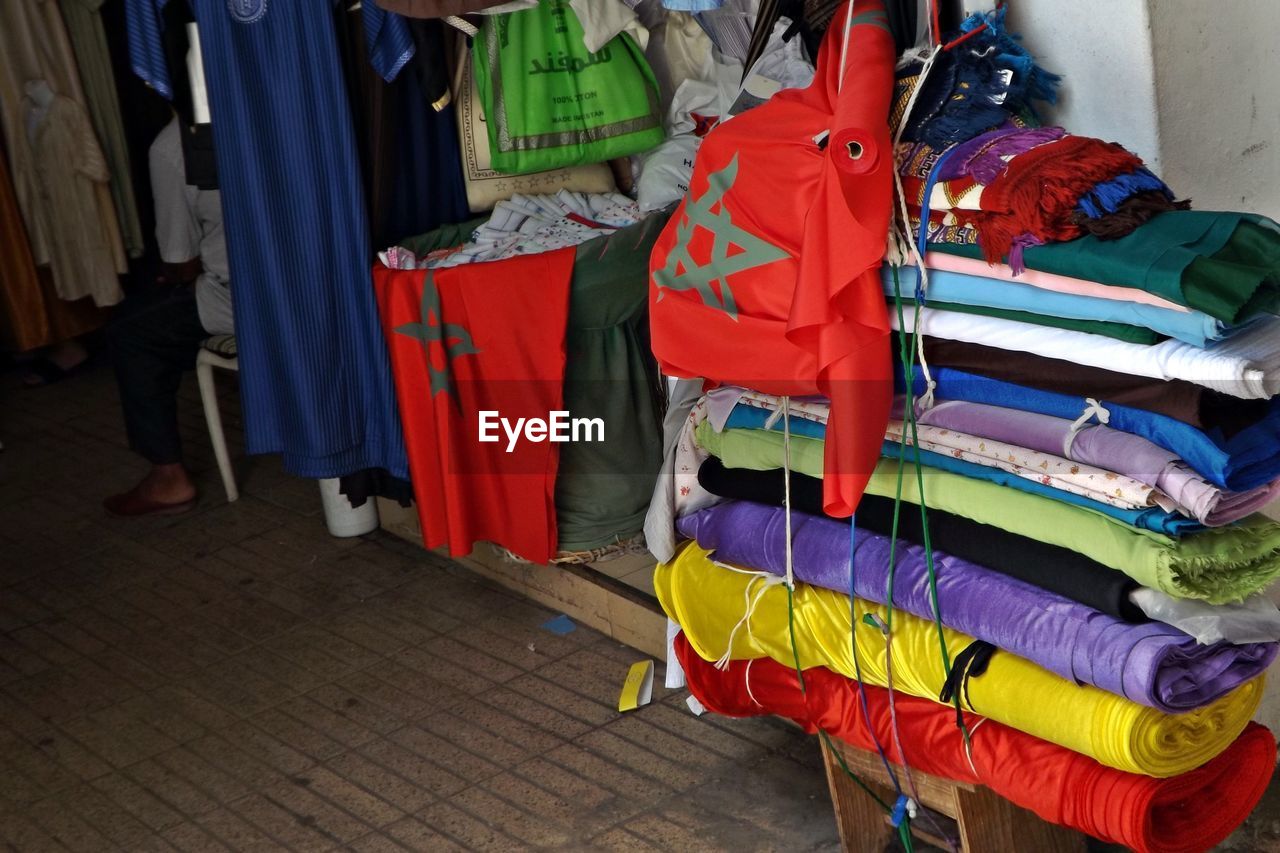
315, 381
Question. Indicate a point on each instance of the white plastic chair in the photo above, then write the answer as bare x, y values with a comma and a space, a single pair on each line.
217, 351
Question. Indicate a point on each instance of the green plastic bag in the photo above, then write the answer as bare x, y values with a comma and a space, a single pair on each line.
550, 103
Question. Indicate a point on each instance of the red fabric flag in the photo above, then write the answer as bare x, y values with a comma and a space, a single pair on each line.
767, 275
1189, 813
467, 340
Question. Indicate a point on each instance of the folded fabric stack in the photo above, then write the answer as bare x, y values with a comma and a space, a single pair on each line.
1061, 538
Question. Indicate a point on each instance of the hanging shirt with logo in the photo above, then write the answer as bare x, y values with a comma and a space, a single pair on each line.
483, 337
767, 274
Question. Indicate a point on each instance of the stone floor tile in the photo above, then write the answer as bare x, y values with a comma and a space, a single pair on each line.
467, 830
413, 834
420, 770
405, 795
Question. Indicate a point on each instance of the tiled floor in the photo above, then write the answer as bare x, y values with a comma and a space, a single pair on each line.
237, 679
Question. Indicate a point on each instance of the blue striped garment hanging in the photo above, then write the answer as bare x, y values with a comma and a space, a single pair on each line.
315, 379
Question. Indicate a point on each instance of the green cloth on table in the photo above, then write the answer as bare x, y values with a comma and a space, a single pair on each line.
1106, 328
1218, 565
444, 237
1224, 264
603, 489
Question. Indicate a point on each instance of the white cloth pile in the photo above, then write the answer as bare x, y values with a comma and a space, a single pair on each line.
527, 225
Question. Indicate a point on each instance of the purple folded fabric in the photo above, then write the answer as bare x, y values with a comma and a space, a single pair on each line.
983, 157
1106, 448
1152, 663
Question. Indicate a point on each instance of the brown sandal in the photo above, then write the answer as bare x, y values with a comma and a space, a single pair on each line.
129, 505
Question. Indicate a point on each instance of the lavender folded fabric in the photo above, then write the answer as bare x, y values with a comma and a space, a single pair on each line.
1106, 448
1151, 664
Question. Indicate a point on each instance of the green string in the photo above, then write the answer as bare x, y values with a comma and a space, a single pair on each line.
907, 352
904, 828
826, 739
791, 628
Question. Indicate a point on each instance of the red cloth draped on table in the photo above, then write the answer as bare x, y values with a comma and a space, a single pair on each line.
484, 337
1189, 813
766, 276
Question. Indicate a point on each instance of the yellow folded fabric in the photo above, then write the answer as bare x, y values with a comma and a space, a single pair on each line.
709, 601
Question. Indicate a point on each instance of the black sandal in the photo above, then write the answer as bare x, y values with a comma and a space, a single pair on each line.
45, 372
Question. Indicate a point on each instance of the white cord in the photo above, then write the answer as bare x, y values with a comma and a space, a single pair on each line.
1094, 409
926, 399
746, 680
769, 580
844, 45
968, 745
462, 24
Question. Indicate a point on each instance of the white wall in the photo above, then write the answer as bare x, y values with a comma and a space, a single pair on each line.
1101, 48
1217, 72
1192, 86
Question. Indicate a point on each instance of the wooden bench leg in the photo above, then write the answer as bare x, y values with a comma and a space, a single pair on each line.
859, 819
991, 824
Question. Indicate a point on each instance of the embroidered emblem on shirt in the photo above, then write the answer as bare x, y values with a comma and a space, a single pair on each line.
247, 11
709, 212
432, 329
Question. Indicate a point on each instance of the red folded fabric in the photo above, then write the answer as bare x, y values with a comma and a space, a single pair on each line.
1182, 814
767, 275
1039, 191
471, 342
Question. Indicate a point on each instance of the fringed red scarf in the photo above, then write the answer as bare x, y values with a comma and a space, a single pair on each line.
1032, 202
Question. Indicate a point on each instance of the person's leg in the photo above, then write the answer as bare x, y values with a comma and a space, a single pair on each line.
152, 345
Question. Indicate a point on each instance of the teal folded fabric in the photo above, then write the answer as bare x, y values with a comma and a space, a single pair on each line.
1224, 264
959, 289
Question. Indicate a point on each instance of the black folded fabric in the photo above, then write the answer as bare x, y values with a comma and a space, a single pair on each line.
1049, 567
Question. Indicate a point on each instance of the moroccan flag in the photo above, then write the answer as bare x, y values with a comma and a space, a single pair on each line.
767, 276
472, 339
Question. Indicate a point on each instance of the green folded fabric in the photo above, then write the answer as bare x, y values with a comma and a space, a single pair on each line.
1218, 565
1106, 328
1224, 264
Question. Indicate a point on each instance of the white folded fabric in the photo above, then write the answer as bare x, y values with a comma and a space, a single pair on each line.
1246, 365
1254, 620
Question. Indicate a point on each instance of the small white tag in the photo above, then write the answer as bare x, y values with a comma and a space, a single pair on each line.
1006, 77
195, 71
675, 673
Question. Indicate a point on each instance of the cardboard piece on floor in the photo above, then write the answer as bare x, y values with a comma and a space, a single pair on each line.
637, 690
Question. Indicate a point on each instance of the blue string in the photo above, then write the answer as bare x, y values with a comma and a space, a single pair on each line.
853, 642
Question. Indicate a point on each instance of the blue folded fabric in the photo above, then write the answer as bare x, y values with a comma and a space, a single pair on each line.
1248, 459
1194, 327
745, 416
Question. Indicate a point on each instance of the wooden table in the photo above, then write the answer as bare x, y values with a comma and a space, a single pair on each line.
965, 817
